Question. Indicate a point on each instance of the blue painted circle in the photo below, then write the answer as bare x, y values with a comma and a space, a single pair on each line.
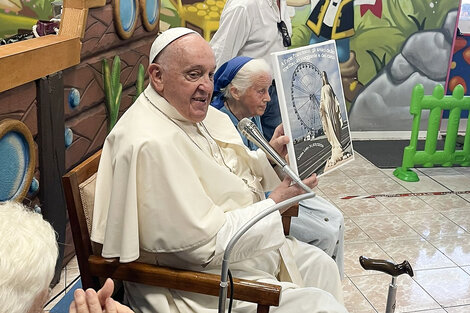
68, 137
127, 9
14, 158
74, 98
151, 8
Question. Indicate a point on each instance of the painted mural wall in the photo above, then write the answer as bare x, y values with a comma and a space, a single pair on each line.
409, 44
385, 47
22, 14
459, 65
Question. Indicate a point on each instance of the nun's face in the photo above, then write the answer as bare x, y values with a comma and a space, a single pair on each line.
253, 101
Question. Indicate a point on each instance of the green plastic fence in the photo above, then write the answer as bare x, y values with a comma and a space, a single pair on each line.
436, 103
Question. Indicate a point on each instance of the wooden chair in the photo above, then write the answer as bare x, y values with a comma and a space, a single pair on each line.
80, 181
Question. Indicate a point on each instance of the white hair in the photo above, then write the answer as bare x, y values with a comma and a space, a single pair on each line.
244, 78
28, 255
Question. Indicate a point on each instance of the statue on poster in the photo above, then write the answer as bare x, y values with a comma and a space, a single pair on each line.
312, 107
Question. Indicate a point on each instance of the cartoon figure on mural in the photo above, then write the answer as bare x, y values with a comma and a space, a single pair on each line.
334, 19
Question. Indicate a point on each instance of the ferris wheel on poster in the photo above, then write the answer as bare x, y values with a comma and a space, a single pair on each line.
305, 95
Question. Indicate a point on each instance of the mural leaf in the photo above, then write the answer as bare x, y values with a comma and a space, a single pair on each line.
378, 63
139, 84
419, 26
112, 89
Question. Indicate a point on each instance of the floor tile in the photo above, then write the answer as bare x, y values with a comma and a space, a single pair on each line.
430, 311
463, 170
360, 207
341, 187
335, 174
446, 202
452, 291
379, 185
73, 263
458, 309
466, 269
385, 227
439, 171
454, 182
353, 234
432, 224
388, 171
460, 217
354, 301
352, 252
318, 192
405, 204
362, 170
58, 290
72, 272
410, 296
456, 248
72, 275
465, 196
420, 254
425, 184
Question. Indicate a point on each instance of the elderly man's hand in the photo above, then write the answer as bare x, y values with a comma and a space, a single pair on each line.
279, 141
286, 190
93, 302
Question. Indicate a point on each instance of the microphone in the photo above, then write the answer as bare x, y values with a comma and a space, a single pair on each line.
250, 131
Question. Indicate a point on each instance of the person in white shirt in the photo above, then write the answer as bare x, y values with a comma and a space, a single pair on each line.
175, 182
254, 28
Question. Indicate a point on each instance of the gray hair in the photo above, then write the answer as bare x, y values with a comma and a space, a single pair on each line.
28, 255
244, 78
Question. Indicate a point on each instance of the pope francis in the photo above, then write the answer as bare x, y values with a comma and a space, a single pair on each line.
175, 182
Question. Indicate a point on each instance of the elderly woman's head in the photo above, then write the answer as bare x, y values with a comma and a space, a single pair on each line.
245, 90
28, 254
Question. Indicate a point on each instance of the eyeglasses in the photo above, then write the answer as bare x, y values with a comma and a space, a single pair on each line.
281, 26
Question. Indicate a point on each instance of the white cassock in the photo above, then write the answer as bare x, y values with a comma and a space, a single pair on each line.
173, 193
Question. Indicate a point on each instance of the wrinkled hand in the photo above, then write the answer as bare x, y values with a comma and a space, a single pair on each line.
90, 301
286, 191
279, 141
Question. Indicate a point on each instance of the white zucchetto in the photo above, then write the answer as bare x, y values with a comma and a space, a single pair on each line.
165, 38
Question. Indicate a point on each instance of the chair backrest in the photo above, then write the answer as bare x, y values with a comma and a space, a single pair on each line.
79, 189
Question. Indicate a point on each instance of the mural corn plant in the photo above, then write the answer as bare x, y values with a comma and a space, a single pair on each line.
112, 90
139, 84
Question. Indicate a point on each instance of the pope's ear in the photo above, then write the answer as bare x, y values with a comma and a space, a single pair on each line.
155, 76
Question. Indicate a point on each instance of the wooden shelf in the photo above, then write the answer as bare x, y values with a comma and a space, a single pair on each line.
25, 61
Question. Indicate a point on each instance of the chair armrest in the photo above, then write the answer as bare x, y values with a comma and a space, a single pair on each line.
293, 211
198, 282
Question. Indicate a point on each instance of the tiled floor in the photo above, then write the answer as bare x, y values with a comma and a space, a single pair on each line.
69, 273
432, 232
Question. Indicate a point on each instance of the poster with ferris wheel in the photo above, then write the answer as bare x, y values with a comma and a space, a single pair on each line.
313, 110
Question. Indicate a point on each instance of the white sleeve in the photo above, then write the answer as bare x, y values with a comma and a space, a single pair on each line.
233, 32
